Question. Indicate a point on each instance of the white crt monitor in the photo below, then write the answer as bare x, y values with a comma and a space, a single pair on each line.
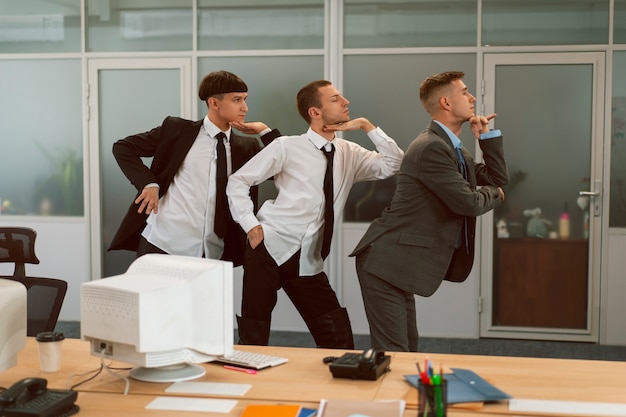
12, 322
164, 314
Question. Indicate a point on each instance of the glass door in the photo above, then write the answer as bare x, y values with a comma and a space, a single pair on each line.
541, 280
126, 96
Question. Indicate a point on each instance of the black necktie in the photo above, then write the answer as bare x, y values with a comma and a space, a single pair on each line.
463, 170
220, 225
329, 216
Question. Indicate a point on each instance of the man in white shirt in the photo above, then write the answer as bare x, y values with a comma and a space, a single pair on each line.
284, 247
175, 208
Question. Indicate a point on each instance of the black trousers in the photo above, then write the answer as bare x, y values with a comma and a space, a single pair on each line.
147, 247
311, 295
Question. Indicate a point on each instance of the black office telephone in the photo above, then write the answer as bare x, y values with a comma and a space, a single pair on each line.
31, 398
370, 365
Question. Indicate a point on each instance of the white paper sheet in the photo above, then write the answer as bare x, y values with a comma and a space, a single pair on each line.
569, 408
209, 388
208, 405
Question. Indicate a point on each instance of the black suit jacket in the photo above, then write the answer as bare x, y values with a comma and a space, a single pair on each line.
412, 246
168, 146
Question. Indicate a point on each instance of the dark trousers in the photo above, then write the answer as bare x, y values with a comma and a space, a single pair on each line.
390, 311
147, 247
312, 296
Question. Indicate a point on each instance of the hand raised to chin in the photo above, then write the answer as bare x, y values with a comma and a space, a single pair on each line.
354, 124
480, 124
249, 128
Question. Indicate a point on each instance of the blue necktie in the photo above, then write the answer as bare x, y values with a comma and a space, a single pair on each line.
463, 171
462, 167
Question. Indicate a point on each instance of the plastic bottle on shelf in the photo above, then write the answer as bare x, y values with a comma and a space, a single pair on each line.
564, 224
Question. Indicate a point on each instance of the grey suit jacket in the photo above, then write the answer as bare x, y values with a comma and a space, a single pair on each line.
412, 245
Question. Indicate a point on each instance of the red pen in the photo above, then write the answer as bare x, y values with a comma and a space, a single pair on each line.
422, 374
236, 368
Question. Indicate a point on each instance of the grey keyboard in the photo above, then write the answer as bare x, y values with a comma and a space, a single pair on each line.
251, 359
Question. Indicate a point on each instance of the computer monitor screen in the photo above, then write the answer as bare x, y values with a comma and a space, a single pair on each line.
12, 322
163, 315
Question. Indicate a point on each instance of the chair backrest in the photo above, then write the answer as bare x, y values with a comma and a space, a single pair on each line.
17, 245
44, 298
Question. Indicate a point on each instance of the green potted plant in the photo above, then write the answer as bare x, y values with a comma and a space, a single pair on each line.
62, 192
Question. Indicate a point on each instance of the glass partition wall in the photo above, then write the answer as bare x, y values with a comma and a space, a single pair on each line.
384, 45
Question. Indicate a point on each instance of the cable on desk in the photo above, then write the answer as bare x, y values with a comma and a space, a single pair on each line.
115, 374
96, 373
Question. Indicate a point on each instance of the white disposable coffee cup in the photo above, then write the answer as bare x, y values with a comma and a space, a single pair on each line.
49, 344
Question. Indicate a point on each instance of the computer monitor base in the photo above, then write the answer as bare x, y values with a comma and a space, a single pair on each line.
168, 374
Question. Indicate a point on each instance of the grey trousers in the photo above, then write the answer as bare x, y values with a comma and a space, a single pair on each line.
390, 311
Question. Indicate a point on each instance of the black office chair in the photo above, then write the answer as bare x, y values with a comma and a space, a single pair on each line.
17, 245
45, 296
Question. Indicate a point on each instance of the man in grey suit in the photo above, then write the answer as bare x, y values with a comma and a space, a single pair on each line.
427, 233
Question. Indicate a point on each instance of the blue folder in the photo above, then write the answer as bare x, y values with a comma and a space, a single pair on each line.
465, 386
307, 412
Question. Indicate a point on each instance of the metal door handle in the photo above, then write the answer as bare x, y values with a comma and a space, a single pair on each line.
597, 201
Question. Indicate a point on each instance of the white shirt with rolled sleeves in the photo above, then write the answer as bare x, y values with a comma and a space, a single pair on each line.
294, 219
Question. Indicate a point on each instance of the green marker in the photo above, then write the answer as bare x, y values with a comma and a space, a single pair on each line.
438, 395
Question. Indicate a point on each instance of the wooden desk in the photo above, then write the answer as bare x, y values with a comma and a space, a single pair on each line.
28, 364
303, 378
306, 380
96, 404
524, 378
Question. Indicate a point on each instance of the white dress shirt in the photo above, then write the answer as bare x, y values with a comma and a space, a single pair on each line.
184, 223
294, 220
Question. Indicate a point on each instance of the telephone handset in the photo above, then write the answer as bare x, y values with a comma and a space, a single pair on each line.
29, 387
31, 398
370, 364
367, 360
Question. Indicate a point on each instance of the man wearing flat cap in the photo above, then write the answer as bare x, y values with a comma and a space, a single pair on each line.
179, 208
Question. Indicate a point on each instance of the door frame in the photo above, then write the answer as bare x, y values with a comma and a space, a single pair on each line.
94, 66
598, 224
